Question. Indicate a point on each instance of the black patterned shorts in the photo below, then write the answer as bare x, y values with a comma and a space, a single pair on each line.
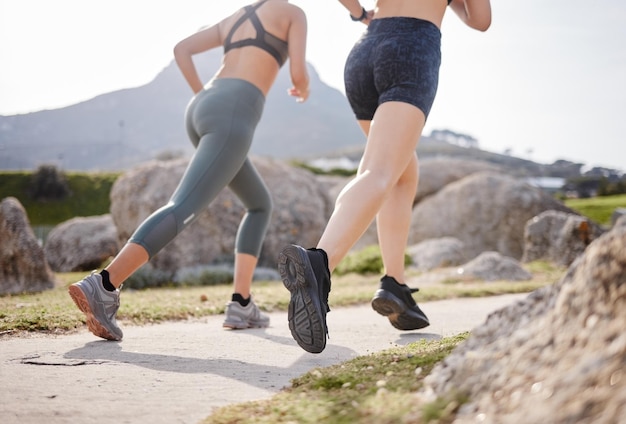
396, 59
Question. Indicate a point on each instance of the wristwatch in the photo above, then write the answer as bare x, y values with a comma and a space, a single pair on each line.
360, 18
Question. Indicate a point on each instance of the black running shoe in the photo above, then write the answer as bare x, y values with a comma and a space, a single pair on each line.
305, 274
394, 300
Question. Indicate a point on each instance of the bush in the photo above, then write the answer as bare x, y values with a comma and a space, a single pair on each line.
365, 261
148, 277
206, 275
88, 196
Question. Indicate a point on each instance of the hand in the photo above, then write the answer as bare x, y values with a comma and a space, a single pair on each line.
368, 17
301, 95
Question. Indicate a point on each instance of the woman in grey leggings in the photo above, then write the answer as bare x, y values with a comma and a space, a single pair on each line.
221, 120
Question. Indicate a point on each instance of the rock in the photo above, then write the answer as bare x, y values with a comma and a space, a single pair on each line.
23, 266
437, 253
620, 222
557, 356
617, 214
486, 211
81, 244
558, 237
331, 186
492, 266
437, 173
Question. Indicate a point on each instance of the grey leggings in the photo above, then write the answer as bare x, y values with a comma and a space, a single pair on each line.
220, 121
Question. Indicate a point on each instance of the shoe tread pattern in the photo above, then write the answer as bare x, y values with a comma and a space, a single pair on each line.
304, 319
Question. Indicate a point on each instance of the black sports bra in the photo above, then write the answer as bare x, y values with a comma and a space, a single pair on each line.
263, 40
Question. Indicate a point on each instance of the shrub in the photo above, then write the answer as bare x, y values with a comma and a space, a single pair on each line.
205, 275
365, 261
148, 277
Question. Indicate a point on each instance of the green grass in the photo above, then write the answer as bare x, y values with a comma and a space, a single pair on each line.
598, 209
377, 388
52, 311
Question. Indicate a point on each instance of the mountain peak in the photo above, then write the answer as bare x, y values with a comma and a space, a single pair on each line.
116, 130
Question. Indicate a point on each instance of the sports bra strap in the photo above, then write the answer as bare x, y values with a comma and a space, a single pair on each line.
264, 40
250, 9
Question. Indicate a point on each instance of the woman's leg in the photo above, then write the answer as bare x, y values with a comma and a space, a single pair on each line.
245, 264
390, 150
248, 185
132, 257
393, 221
212, 167
253, 193
220, 122
393, 135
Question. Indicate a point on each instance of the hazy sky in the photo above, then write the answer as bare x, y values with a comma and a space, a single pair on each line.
547, 80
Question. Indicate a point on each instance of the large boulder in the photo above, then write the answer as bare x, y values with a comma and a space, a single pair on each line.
81, 244
300, 213
486, 211
558, 237
331, 186
23, 266
437, 253
492, 266
436, 173
557, 356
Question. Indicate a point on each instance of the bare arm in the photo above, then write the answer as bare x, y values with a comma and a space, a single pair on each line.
356, 10
297, 57
184, 50
475, 13
353, 6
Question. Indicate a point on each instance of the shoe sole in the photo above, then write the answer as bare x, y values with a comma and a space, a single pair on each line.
304, 313
94, 326
388, 305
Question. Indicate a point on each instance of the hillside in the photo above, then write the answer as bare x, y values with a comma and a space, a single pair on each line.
116, 130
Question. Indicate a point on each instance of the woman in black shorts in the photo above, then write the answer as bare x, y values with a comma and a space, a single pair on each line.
391, 78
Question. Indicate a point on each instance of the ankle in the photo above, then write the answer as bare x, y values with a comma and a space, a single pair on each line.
106, 281
390, 279
324, 257
237, 297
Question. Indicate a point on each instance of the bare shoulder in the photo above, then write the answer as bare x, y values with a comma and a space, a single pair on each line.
291, 10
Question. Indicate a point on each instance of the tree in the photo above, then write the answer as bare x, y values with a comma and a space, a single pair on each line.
49, 183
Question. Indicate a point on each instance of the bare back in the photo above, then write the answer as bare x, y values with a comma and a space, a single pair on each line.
475, 13
429, 10
252, 63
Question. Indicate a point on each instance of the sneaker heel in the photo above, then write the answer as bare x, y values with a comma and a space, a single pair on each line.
291, 269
